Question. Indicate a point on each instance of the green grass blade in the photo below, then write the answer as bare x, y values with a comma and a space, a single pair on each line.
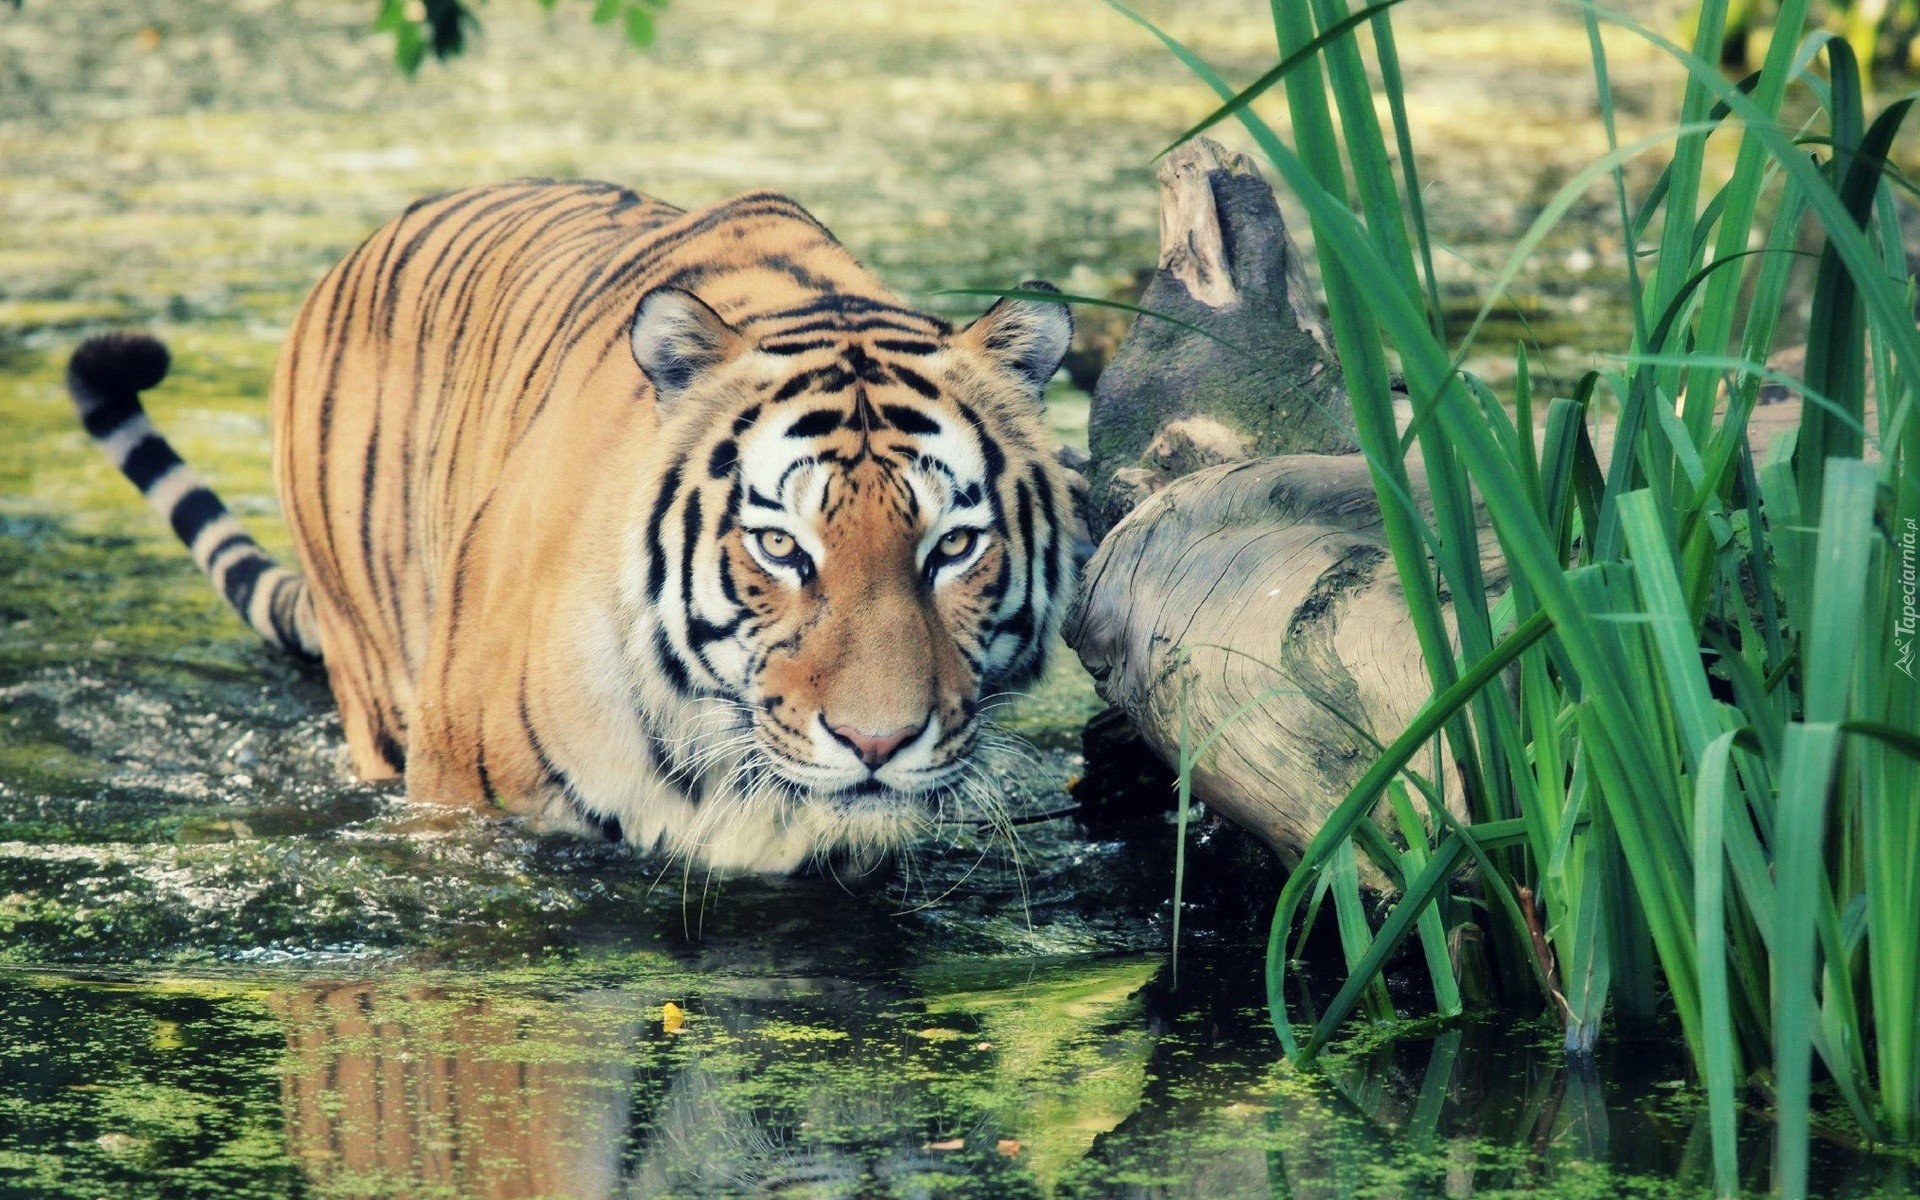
1391, 82
1743, 191
1710, 938
1805, 776
1415, 903
1836, 336
1433, 933
1842, 554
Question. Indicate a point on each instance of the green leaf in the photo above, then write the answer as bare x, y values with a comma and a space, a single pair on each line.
639, 26
1805, 777
1710, 940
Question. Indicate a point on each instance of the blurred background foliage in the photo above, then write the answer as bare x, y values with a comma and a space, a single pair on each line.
1883, 33
443, 28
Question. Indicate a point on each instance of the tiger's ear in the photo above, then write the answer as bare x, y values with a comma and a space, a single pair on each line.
1028, 338
676, 339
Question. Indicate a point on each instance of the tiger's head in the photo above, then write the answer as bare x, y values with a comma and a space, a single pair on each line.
860, 540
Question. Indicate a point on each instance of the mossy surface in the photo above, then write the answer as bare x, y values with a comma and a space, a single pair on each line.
228, 970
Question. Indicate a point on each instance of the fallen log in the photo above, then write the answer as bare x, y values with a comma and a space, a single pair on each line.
1243, 577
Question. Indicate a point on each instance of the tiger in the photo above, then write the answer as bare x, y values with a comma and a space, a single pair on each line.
671, 527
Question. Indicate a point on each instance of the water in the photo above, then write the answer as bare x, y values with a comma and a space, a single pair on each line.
227, 969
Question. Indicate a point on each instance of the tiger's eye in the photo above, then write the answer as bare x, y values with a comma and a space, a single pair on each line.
957, 543
775, 544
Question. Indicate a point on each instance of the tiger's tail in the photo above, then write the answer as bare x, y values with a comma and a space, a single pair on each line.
106, 376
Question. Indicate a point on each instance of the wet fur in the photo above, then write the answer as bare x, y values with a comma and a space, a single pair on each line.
523, 558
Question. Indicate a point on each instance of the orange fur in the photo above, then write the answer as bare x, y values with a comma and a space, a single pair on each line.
469, 457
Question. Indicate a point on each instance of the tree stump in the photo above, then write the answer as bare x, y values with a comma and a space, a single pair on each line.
1260, 380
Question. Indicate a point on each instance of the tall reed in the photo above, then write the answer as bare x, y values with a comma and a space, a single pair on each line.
1700, 794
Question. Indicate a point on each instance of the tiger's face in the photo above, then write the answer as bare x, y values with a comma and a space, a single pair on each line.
860, 540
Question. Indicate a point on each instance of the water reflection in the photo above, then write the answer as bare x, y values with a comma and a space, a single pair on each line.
766, 1089
423, 1092
1076, 1078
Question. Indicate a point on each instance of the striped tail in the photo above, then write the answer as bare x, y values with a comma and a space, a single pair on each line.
106, 376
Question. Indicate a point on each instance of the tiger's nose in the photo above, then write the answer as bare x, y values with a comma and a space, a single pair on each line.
875, 749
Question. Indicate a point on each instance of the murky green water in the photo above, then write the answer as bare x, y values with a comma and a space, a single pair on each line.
225, 969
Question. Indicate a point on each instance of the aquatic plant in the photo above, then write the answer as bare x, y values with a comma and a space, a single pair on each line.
1687, 733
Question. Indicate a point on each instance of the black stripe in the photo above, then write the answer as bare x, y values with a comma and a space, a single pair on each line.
390, 750
656, 554
859, 325
149, 459
989, 449
108, 413
283, 612
702, 633
194, 512
909, 420
486, 778
793, 387
996, 591
242, 578
865, 367
661, 751
725, 524
227, 543
785, 348
670, 664
840, 302
384, 600
1051, 520
915, 380
396, 268
817, 423
725, 457
1021, 622
834, 379
689, 543
551, 770
905, 346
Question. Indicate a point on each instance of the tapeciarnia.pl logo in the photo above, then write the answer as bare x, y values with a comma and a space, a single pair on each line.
1905, 624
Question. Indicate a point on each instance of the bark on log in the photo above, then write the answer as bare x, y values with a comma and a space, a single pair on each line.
1240, 583
1262, 380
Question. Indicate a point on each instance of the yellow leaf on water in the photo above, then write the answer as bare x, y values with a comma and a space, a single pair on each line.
1008, 1146
949, 1144
673, 1018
